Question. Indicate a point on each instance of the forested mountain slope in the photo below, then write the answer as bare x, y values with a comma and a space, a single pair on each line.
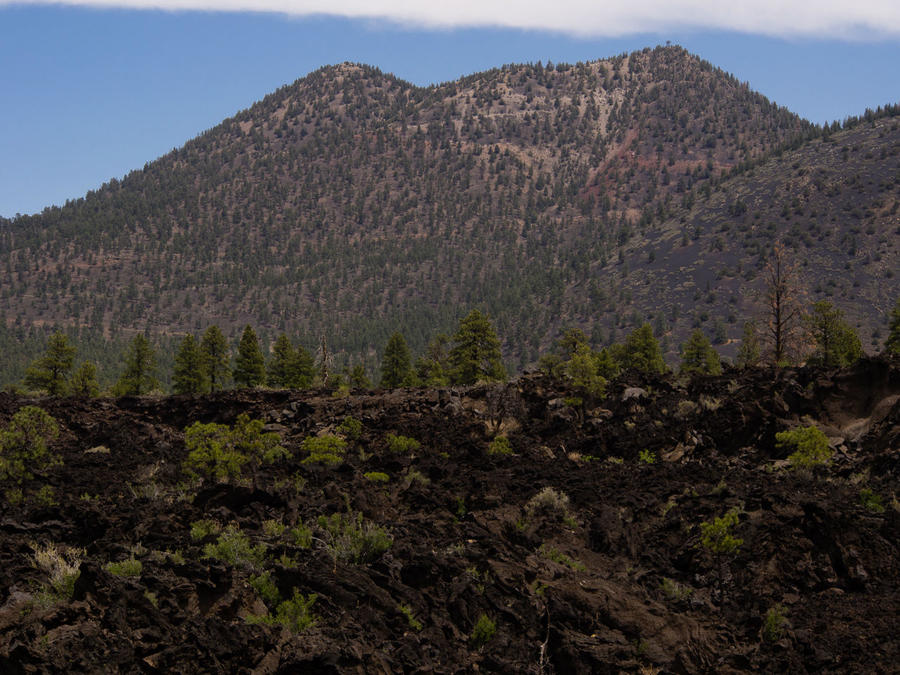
350, 204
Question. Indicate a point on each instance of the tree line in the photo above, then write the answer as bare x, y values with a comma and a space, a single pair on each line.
472, 354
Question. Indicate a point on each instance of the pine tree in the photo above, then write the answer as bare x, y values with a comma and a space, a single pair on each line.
837, 344
84, 380
303, 369
476, 351
214, 349
433, 369
288, 367
892, 345
189, 375
50, 373
138, 377
699, 356
396, 365
641, 351
358, 377
279, 368
249, 365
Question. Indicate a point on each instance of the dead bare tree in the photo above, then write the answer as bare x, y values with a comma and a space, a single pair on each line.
785, 328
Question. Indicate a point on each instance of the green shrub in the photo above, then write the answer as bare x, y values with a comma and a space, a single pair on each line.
353, 539
211, 454
295, 614
871, 501
811, 446
266, 589
675, 591
377, 476
549, 504
126, 568
773, 624
500, 446
716, 536
561, 558
484, 630
402, 444
46, 496
234, 547
302, 535
273, 528
201, 529
63, 566
350, 428
23, 444
414, 623
647, 457
328, 450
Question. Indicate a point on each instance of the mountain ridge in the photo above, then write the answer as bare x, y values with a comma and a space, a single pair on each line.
350, 203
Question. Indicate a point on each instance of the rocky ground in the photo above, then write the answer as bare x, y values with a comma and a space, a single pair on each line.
478, 573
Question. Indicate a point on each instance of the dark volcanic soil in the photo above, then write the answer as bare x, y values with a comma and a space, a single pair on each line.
619, 584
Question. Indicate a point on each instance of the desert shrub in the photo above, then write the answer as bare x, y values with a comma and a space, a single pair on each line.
266, 589
377, 476
675, 591
716, 536
273, 528
647, 457
561, 558
811, 446
416, 476
201, 529
210, 452
328, 450
773, 623
413, 622
126, 568
233, 547
402, 444
549, 504
295, 614
353, 539
500, 446
63, 567
217, 451
484, 630
302, 535
45, 496
871, 501
23, 444
350, 428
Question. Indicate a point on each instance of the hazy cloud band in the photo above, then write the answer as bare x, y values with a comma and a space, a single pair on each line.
863, 19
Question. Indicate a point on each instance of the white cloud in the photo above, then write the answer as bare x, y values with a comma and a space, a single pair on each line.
863, 19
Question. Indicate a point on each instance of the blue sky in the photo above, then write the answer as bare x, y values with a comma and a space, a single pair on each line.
89, 94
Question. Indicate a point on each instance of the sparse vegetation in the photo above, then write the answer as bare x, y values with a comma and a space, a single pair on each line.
402, 445
483, 632
351, 538
125, 568
235, 548
810, 444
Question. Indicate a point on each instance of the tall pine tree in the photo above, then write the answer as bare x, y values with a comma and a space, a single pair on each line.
139, 376
396, 364
214, 349
50, 373
476, 351
249, 365
189, 376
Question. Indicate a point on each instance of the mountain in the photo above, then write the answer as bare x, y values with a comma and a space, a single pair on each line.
351, 204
